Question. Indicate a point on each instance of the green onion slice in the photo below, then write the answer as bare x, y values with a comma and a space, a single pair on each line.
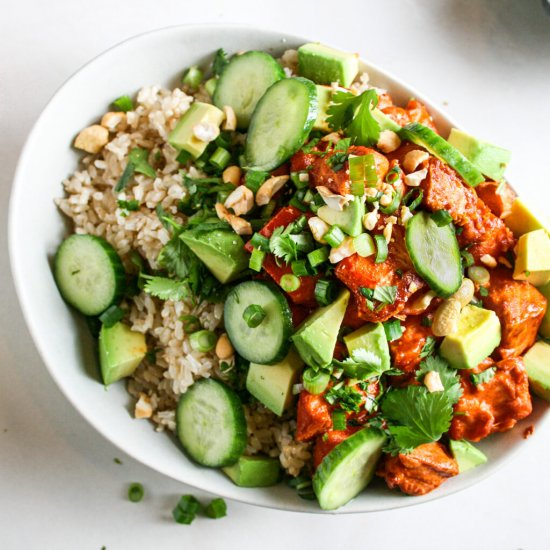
442, 218
315, 382
318, 256
339, 421
216, 509
254, 315
259, 241
393, 206
203, 340
256, 260
220, 158
381, 249
364, 245
190, 323
325, 291
193, 77
334, 236
289, 282
299, 268
135, 492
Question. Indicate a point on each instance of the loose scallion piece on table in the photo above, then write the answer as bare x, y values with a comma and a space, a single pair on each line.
216, 509
203, 340
253, 315
186, 509
135, 492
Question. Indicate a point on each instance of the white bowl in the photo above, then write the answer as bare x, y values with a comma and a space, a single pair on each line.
36, 228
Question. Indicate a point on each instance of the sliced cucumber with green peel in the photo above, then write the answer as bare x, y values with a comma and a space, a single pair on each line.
89, 273
281, 123
268, 342
210, 424
434, 253
244, 81
348, 468
385, 122
437, 146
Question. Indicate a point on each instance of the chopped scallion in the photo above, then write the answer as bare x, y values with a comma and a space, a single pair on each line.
192, 77
221, 157
393, 206
442, 218
325, 291
259, 241
254, 315
334, 236
467, 258
393, 329
315, 382
254, 179
364, 245
300, 179
191, 323
111, 316
357, 188
299, 268
268, 209
363, 170
483, 291
318, 256
135, 492
339, 421
256, 260
124, 103
216, 509
381, 249
289, 282
203, 340
186, 509
297, 203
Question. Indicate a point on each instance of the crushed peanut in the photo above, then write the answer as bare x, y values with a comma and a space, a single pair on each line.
239, 225
422, 303
92, 139
416, 178
143, 408
269, 188
241, 200
413, 159
388, 231
370, 220
318, 228
388, 141
232, 175
432, 381
224, 350
332, 200
488, 260
406, 215
345, 250
230, 122
114, 121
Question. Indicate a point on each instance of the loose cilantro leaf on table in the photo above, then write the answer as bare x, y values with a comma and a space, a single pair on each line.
483, 377
353, 115
449, 376
415, 416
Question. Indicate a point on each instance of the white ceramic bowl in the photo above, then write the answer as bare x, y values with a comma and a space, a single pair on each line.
36, 228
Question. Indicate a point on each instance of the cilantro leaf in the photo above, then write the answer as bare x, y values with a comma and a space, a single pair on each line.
347, 397
220, 62
393, 329
429, 347
340, 155
385, 294
362, 364
483, 377
415, 416
165, 288
449, 376
131, 205
353, 115
202, 193
137, 162
283, 246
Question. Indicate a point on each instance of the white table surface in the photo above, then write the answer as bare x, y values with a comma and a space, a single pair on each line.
488, 61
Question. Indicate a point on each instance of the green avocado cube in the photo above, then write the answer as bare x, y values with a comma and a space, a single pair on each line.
537, 364
533, 258
348, 220
121, 350
184, 135
489, 159
254, 471
326, 65
466, 455
272, 385
544, 328
371, 337
222, 252
477, 336
316, 337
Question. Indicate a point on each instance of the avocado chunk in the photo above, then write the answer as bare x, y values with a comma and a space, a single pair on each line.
466, 455
522, 219
544, 328
477, 336
183, 135
221, 251
121, 350
533, 258
537, 364
325, 65
384, 121
371, 337
324, 96
316, 337
348, 220
272, 384
254, 471
489, 159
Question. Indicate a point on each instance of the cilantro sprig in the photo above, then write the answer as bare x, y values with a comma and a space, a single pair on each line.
384, 295
362, 364
137, 162
353, 115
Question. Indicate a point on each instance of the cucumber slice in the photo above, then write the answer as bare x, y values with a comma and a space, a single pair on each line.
269, 342
89, 273
437, 146
434, 253
280, 123
210, 424
244, 81
348, 468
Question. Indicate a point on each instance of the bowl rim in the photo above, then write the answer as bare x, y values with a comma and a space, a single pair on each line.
39, 342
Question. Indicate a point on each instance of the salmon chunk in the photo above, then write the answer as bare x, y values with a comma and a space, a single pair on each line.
497, 196
520, 308
405, 351
419, 472
494, 406
313, 416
